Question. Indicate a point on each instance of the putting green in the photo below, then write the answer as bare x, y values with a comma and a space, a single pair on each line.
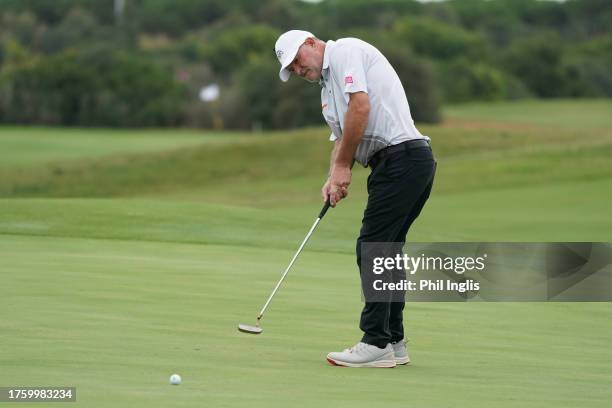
115, 318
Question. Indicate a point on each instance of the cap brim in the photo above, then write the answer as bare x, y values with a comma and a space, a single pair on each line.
284, 72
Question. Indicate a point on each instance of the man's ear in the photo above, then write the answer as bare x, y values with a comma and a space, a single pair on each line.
310, 41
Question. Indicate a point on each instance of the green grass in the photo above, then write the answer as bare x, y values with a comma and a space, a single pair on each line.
116, 318
31, 146
126, 256
562, 114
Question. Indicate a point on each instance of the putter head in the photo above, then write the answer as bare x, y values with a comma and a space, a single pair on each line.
245, 328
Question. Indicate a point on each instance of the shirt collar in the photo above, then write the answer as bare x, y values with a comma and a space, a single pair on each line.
325, 68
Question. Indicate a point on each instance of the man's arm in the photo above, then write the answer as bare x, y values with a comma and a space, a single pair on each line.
332, 159
355, 123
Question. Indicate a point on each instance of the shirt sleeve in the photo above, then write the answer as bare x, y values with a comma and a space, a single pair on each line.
332, 137
348, 66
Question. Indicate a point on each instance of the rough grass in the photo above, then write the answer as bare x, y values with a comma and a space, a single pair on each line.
582, 115
481, 158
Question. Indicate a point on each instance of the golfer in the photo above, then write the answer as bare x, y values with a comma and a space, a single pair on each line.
365, 106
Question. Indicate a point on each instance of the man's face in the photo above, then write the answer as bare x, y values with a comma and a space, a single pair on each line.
308, 62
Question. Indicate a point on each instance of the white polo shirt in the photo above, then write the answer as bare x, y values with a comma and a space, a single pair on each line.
351, 65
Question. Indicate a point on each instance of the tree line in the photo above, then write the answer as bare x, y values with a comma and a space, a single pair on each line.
88, 63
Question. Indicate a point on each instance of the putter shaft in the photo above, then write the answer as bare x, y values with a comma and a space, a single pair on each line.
265, 306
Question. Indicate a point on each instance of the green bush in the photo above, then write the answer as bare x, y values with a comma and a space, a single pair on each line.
52, 12
419, 82
232, 49
466, 80
175, 17
269, 103
591, 66
342, 16
437, 40
537, 62
104, 88
22, 27
75, 28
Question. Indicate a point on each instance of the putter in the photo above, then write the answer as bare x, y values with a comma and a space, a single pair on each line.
245, 328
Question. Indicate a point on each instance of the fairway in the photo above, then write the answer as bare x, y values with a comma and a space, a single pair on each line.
126, 257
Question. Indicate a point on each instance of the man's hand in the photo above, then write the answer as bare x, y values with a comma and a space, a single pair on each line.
336, 187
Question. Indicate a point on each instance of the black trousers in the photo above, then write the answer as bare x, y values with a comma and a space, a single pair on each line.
398, 188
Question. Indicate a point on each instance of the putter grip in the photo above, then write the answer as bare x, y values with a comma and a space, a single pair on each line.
324, 210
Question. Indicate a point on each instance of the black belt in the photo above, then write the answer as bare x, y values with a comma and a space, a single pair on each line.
380, 155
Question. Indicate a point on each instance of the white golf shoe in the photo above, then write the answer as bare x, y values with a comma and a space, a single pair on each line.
400, 352
363, 355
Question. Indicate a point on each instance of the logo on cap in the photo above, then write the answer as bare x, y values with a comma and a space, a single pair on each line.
279, 54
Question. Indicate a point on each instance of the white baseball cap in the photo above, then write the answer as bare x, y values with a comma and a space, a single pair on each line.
286, 49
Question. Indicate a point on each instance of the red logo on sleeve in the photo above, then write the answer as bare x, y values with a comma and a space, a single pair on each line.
348, 80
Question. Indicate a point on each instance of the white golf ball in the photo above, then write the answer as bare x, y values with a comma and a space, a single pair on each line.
175, 379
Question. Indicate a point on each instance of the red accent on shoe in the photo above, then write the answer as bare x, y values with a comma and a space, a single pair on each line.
332, 362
